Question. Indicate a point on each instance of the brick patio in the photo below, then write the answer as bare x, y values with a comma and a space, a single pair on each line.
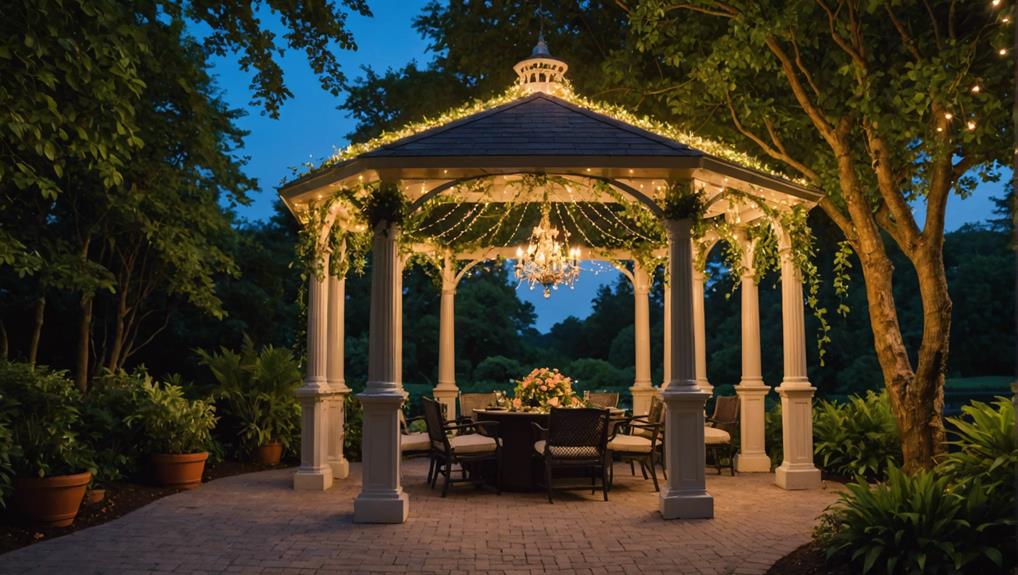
256, 523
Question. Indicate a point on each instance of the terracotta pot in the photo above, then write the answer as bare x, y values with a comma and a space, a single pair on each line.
182, 471
269, 454
51, 501
95, 495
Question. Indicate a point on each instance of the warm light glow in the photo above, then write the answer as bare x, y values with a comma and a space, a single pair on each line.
995, 3
975, 89
971, 125
949, 115
546, 260
1002, 52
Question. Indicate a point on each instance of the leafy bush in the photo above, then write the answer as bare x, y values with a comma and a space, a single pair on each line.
597, 374
113, 398
353, 428
857, 438
498, 369
172, 423
984, 448
772, 434
44, 421
917, 524
258, 389
7, 450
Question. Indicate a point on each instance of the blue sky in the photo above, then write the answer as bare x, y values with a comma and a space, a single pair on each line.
309, 127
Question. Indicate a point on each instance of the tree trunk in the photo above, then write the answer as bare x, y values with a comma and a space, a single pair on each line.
84, 338
118, 329
84, 328
40, 314
916, 397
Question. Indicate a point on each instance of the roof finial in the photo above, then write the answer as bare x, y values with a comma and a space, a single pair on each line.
541, 72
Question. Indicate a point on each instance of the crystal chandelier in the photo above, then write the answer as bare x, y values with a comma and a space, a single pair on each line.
546, 260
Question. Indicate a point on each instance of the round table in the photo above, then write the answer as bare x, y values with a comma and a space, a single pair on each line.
521, 471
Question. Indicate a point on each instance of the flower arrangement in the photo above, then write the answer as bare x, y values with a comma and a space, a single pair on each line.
543, 388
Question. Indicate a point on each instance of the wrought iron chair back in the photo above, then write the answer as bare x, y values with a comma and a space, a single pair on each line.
577, 433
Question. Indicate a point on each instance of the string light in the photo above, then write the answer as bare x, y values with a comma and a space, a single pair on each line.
971, 125
975, 89
995, 3
948, 115
1002, 51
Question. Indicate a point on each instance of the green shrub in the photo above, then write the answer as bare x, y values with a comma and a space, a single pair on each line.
7, 450
45, 421
172, 423
353, 428
498, 369
112, 398
772, 434
984, 448
590, 374
258, 393
857, 438
916, 524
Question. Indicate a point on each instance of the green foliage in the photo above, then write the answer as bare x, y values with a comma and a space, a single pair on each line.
918, 524
386, 204
8, 450
682, 202
353, 428
772, 435
592, 374
857, 438
983, 449
172, 424
45, 421
111, 400
258, 391
498, 369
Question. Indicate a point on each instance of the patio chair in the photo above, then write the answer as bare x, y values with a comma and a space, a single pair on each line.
602, 398
640, 442
414, 444
463, 449
577, 439
471, 401
722, 425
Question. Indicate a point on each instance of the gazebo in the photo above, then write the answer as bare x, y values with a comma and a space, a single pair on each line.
469, 186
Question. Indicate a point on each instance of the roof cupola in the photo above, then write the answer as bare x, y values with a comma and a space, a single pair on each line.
541, 72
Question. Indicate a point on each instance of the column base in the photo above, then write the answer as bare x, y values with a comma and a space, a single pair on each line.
447, 397
686, 505
377, 508
340, 468
641, 398
792, 478
319, 479
752, 463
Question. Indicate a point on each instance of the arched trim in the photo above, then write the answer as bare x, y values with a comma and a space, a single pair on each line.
625, 189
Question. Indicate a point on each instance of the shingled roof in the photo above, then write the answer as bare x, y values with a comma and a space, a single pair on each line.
539, 124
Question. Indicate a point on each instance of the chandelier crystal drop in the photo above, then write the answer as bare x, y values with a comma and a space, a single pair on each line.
546, 260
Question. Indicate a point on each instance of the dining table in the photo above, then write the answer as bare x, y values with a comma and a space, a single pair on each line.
521, 469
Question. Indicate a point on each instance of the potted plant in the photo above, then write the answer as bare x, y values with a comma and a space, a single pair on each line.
112, 398
52, 466
258, 393
178, 431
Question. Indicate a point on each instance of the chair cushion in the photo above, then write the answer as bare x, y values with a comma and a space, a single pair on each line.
472, 443
560, 452
715, 436
629, 444
417, 441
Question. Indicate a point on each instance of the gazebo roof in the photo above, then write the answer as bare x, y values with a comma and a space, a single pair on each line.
536, 125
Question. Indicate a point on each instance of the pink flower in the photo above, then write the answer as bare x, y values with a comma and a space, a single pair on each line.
553, 402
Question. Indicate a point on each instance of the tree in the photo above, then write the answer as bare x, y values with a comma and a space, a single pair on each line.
879, 104
118, 150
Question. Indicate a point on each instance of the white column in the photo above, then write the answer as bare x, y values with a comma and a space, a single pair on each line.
685, 494
797, 470
700, 331
667, 329
642, 389
752, 455
446, 390
314, 473
382, 499
336, 379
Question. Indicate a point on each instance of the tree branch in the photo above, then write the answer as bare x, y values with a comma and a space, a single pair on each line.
839, 218
812, 110
777, 151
